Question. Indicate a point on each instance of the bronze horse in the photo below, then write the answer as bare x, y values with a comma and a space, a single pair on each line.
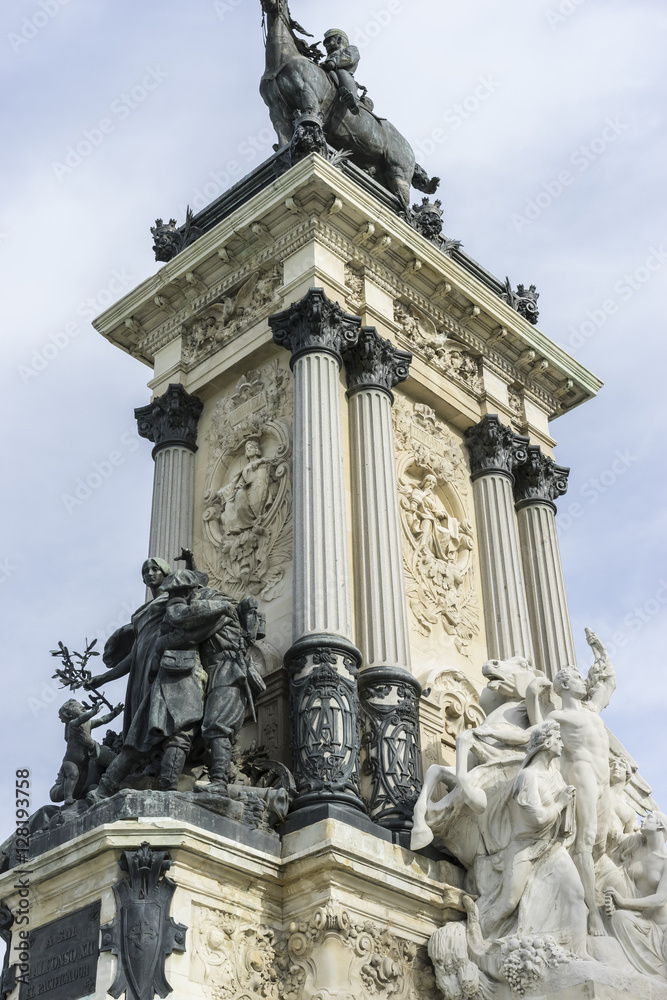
294, 83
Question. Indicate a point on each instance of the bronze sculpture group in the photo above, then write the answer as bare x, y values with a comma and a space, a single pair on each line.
190, 682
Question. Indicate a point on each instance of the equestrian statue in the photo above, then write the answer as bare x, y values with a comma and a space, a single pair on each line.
300, 80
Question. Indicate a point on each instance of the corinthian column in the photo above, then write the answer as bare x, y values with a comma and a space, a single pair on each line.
389, 693
170, 422
323, 663
538, 484
495, 452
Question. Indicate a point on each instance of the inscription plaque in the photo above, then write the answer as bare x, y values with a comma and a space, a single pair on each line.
63, 957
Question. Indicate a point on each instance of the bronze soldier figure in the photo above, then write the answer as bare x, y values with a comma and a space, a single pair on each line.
341, 63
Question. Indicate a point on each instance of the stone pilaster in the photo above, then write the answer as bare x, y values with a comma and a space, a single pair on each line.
538, 484
495, 453
323, 663
170, 422
388, 692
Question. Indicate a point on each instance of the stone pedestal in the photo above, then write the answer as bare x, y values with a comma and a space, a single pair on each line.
538, 484
326, 911
170, 421
323, 662
495, 452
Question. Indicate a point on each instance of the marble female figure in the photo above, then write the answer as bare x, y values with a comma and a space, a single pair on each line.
639, 917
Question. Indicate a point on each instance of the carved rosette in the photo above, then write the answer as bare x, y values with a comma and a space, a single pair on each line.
438, 538
391, 773
171, 419
374, 363
248, 501
539, 480
324, 710
315, 324
143, 933
495, 448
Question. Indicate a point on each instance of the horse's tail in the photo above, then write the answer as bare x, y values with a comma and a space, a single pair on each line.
422, 182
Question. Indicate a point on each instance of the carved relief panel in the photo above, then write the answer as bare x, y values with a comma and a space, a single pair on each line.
256, 296
438, 542
442, 352
248, 499
231, 958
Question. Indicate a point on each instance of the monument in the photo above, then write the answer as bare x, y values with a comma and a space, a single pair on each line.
357, 758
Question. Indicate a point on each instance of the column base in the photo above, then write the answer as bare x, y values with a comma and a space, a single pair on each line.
391, 772
324, 711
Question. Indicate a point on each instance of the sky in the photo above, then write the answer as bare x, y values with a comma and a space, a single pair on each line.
545, 121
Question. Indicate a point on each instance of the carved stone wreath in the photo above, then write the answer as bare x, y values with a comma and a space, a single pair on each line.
438, 539
248, 502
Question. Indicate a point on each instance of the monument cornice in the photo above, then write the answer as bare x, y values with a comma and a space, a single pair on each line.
350, 208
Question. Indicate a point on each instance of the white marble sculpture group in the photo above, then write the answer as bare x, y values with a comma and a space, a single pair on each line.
541, 812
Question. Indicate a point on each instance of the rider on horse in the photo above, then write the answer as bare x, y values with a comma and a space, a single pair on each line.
341, 63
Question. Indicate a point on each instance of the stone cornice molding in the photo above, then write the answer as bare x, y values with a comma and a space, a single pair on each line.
315, 325
171, 419
539, 480
374, 363
495, 448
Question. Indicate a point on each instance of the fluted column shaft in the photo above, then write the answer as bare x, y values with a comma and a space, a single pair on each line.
323, 664
322, 591
382, 616
538, 484
171, 422
172, 514
495, 452
390, 777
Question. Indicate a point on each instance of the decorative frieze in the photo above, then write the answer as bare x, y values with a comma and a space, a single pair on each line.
171, 419
220, 323
366, 958
248, 501
458, 699
435, 346
232, 955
